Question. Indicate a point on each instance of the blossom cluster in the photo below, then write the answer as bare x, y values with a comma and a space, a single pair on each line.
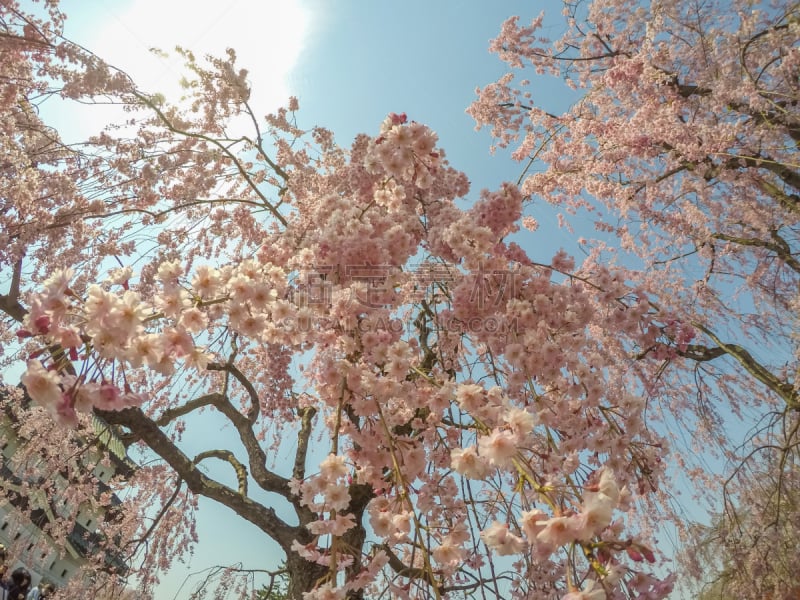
409, 408
111, 327
405, 151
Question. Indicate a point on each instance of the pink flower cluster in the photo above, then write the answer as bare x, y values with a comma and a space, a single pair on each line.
545, 534
328, 492
105, 327
416, 426
405, 151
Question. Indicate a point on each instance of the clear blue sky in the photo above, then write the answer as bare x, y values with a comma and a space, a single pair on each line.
355, 62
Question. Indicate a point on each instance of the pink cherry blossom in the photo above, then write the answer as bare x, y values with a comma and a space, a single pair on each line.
42, 385
498, 448
589, 592
467, 462
498, 537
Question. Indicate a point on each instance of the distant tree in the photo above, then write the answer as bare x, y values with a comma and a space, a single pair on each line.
277, 588
117, 594
750, 549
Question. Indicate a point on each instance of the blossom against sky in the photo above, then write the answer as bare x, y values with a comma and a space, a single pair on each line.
349, 63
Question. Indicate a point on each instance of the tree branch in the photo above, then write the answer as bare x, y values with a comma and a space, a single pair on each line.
173, 413
759, 161
779, 246
228, 456
307, 418
257, 458
265, 518
403, 570
245, 175
255, 403
701, 353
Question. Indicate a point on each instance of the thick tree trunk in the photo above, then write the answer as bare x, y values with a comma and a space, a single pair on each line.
303, 575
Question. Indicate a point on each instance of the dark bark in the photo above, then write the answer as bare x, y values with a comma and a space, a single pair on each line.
303, 575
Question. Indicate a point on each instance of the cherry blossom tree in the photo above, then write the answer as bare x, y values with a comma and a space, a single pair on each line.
760, 520
683, 151
487, 420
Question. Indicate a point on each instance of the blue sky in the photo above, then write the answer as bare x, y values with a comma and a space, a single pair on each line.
350, 63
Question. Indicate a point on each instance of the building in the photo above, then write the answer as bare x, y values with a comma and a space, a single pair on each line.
27, 513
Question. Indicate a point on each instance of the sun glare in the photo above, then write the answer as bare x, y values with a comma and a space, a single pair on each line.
140, 37
268, 38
